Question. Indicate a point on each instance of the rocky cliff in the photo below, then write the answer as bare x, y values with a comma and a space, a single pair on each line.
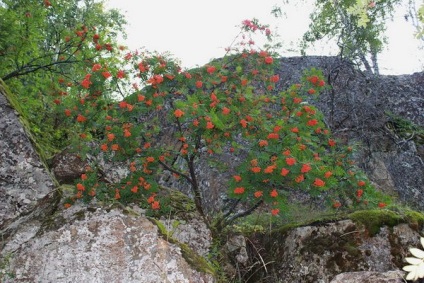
41, 242
384, 115
27, 188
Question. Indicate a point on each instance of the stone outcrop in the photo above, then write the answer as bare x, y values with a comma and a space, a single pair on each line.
366, 242
40, 242
84, 244
27, 190
370, 277
67, 166
372, 112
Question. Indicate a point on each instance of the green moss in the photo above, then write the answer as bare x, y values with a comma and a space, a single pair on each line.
5, 272
286, 228
247, 229
373, 220
175, 203
197, 262
415, 219
10, 97
182, 205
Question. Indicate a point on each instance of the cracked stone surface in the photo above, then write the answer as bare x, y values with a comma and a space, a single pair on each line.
101, 246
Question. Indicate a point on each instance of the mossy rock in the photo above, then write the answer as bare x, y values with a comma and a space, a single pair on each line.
176, 204
196, 261
342, 244
373, 220
415, 219
44, 151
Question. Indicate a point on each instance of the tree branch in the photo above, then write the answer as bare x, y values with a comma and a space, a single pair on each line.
243, 213
31, 69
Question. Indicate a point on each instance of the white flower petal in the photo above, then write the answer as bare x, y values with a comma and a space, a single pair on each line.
413, 260
422, 241
417, 252
420, 270
409, 268
411, 276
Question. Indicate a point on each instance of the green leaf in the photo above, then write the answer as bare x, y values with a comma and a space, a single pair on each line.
216, 121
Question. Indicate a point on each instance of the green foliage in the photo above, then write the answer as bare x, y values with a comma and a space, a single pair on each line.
420, 33
405, 129
170, 119
45, 47
373, 220
357, 25
361, 9
229, 107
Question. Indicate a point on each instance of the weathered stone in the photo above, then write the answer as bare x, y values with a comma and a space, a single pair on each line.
370, 277
25, 182
407, 169
236, 245
317, 253
193, 232
68, 166
99, 245
357, 108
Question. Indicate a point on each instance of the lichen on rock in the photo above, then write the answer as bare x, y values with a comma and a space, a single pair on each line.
103, 245
27, 189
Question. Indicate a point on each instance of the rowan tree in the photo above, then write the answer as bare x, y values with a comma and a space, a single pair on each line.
230, 105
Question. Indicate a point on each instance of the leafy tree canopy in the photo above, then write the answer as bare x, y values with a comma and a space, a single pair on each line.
61, 57
45, 47
357, 25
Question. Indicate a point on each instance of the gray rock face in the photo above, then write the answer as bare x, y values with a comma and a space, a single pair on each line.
25, 183
99, 245
356, 108
41, 243
193, 233
68, 166
370, 277
402, 95
320, 252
